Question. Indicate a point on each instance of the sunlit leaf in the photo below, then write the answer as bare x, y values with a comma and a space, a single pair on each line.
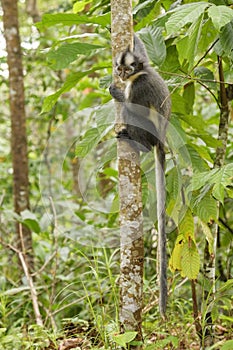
206, 208
190, 260
186, 226
70, 82
125, 338
220, 15
69, 19
185, 14
175, 260
68, 53
91, 138
80, 5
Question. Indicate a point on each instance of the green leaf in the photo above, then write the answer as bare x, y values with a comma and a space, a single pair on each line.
185, 14
141, 6
187, 47
154, 13
206, 208
176, 136
79, 6
173, 186
228, 345
171, 63
218, 192
186, 226
222, 176
208, 234
70, 82
197, 162
125, 338
68, 53
175, 260
220, 15
89, 141
154, 43
178, 104
173, 182
69, 19
190, 260
30, 220
226, 39
205, 74
189, 96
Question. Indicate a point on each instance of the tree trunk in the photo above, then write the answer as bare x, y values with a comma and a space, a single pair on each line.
31, 9
131, 231
18, 124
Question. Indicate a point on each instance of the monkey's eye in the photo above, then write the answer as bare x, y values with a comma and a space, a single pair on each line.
134, 64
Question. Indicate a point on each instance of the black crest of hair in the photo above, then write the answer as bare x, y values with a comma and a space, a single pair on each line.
146, 108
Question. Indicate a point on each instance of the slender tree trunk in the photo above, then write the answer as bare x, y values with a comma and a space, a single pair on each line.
131, 231
18, 124
210, 259
32, 10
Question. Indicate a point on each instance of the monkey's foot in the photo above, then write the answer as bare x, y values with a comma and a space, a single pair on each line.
123, 134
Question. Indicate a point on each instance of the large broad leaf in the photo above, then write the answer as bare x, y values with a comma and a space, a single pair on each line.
171, 64
30, 220
197, 162
186, 226
189, 96
68, 53
70, 82
89, 141
175, 260
154, 43
208, 234
173, 186
154, 13
220, 15
104, 119
187, 47
125, 338
228, 345
70, 19
206, 208
222, 176
206, 76
226, 39
185, 14
190, 260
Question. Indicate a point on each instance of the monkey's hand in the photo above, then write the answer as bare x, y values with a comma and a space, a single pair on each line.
117, 93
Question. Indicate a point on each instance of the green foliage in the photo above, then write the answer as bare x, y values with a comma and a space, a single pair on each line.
76, 278
68, 19
67, 53
124, 339
155, 45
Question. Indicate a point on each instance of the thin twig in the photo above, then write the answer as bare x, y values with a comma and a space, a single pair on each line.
34, 297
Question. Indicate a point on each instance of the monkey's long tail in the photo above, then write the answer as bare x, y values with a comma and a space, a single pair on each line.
162, 251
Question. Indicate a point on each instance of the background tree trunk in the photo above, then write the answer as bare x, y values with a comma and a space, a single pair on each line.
18, 124
131, 231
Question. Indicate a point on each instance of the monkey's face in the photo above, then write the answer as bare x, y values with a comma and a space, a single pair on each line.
127, 65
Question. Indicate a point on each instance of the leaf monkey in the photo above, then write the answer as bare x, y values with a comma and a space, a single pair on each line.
146, 108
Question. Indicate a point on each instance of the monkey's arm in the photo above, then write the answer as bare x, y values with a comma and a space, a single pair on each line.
117, 93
